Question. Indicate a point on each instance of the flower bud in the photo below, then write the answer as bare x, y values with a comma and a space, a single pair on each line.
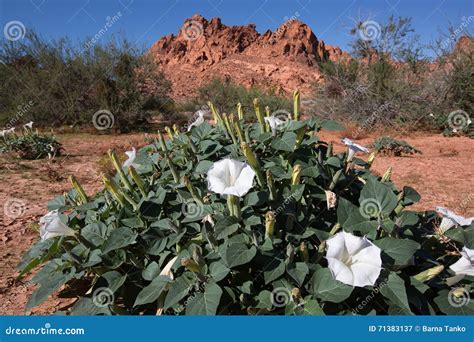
80, 191
304, 255
269, 224
429, 273
271, 185
112, 188
370, 160
137, 179
240, 112
229, 127
296, 294
215, 113
238, 129
335, 179
259, 115
162, 142
290, 252
192, 190
296, 175
118, 168
197, 256
252, 161
175, 129
296, 105
191, 265
329, 150
169, 132
387, 175
300, 136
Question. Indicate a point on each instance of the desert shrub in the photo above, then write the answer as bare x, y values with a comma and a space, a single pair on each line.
247, 219
225, 94
389, 146
67, 84
30, 144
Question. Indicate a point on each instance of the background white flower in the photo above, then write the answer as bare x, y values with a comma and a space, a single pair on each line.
29, 125
274, 123
199, 120
465, 265
353, 148
450, 219
51, 226
230, 177
132, 155
353, 260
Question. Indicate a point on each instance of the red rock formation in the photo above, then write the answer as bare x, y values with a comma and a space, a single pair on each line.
282, 60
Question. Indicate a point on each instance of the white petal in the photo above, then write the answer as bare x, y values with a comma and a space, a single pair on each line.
463, 266
244, 181
51, 226
340, 271
446, 224
230, 177
468, 253
336, 247
365, 274
458, 219
132, 155
347, 141
354, 243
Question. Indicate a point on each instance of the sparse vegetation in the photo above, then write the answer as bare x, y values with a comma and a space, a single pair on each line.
393, 147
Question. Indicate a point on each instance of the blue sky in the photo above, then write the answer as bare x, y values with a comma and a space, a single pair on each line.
144, 21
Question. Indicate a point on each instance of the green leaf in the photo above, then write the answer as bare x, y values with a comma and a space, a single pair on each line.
96, 233
285, 143
462, 305
376, 198
205, 303
218, 270
203, 166
400, 250
276, 269
394, 290
119, 238
115, 280
326, 288
298, 272
256, 198
151, 271
178, 290
151, 292
225, 226
237, 254
312, 308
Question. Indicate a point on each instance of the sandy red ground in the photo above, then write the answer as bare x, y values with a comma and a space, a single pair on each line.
443, 175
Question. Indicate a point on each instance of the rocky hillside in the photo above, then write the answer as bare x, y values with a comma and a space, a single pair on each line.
203, 49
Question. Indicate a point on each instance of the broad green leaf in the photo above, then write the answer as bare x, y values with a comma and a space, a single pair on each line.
151, 271
205, 303
115, 280
178, 290
237, 254
312, 308
225, 226
96, 233
285, 143
275, 270
298, 272
400, 250
455, 306
151, 292
119, 238
376, 198
394, 290
326, 288
218, 270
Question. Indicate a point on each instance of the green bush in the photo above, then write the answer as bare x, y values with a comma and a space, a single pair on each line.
390, 146
162, 238
67, 84
225, 94
30, 144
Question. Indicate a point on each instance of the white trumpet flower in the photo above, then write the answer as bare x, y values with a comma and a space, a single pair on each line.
51, 226
465, 265
132, 155
230, 177
353, 260
198, 121
353, 148
274, 123
450, 219
29, 125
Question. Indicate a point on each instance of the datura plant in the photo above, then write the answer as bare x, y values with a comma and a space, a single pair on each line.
29, 144
241, 218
